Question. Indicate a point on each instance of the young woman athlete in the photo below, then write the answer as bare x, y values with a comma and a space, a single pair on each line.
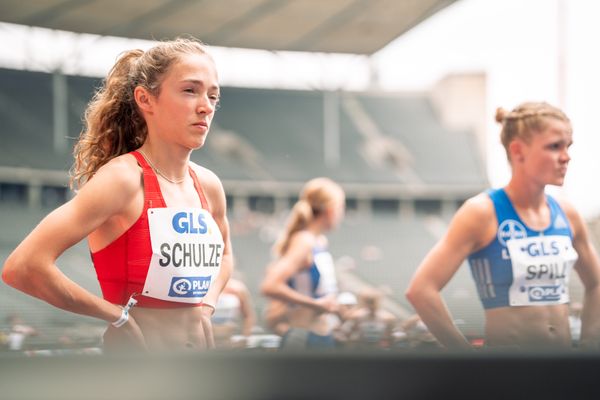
521, 244
155, 221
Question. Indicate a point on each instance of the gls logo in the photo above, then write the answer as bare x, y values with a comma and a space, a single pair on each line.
542, 249
544, 293
189, 223
194, 286
510, 229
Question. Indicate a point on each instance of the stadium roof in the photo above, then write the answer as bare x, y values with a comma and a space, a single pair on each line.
332, 26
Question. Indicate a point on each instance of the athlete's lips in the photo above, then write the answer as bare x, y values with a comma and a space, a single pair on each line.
201, 123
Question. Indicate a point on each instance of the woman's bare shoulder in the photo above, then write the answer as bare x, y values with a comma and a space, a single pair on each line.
122, 171
119, 176
478, 206
304, 237
212, 186
206, 176
474, 224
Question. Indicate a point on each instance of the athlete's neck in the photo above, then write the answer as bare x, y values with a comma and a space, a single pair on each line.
526, 196
316, 227
168, 161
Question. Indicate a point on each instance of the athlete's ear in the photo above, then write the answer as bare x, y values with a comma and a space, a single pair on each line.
516, 150
143, 99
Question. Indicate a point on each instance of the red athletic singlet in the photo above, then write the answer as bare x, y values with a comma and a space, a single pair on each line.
122, 266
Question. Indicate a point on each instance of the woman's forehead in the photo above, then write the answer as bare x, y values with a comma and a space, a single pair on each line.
559, 127
550, 135
194, 67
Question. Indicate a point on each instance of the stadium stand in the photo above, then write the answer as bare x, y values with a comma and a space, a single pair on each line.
26, 111
413, 122
260, 128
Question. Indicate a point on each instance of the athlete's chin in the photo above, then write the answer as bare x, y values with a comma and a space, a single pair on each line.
558, 181
199, 143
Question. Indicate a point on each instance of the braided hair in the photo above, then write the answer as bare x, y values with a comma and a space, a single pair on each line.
525, 119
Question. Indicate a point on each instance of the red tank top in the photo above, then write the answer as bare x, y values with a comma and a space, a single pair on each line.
122, 266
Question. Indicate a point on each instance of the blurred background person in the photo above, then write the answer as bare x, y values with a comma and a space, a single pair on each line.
347, 304
414, 335
234, 314
18, 333
276, 316
369, 326
303, 274
575, 309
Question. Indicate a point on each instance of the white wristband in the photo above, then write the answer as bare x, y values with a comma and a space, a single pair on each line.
122, 320
125, 313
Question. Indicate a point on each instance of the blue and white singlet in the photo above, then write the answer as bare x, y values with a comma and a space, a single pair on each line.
521, 266
319, 280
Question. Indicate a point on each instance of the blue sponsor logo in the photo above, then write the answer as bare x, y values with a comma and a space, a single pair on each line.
545, 293
510, 229
195, 286
187, 222
542, 249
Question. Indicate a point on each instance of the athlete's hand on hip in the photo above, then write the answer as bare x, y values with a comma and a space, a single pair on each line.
205, 315
327, 304
128, 337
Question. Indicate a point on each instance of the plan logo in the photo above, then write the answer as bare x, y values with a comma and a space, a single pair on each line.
544, 293
194, 286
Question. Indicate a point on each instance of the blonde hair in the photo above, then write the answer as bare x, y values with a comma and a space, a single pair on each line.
315, 197
525, 119
113, 123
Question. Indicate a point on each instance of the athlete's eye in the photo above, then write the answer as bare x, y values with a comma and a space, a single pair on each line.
555, 146
215, 99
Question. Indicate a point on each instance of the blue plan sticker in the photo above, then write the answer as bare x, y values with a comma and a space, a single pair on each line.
544, 293
194, 286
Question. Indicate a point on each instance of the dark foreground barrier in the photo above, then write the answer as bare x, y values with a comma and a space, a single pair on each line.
271, 376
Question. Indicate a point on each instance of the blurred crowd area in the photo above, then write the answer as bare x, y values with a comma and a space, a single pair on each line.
360, 324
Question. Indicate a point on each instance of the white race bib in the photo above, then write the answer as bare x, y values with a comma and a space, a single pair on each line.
326, 267
187, 249
541, 266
